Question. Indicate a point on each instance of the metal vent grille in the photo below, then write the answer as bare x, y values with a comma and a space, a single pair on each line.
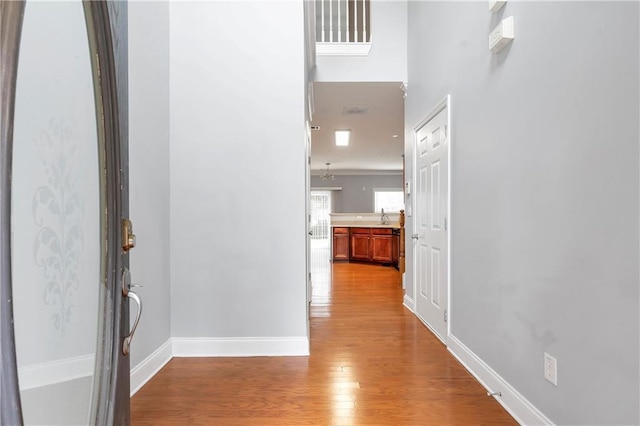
355, 110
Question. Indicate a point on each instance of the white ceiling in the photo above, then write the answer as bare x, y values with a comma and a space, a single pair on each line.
372, 146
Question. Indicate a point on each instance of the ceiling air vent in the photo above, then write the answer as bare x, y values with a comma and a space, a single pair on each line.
355, 110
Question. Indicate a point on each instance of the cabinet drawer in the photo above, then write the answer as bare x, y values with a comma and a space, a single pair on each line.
381, 231
360, 230
340, 230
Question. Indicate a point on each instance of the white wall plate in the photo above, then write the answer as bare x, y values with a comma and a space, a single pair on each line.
501, 35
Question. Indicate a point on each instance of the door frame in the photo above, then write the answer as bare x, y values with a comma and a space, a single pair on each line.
110, 405
307, 212
444, 103
11, 14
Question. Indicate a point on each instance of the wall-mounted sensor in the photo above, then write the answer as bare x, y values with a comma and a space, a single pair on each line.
315, 127
501, 35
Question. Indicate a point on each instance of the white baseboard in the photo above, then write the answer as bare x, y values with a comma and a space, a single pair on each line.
145, 370
523, 411
248, 346
52, 372
408, 303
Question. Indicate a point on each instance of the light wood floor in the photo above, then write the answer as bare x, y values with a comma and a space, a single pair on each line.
372, 363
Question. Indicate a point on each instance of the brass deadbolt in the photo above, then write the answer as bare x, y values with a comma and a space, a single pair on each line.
128, 237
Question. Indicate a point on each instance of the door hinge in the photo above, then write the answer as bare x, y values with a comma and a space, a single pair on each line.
446, 316
309, 276
445, 224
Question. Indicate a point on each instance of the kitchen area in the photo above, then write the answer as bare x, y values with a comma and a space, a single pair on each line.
356, 218
366, 237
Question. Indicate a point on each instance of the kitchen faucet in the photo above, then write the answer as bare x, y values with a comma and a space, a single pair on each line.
384, 219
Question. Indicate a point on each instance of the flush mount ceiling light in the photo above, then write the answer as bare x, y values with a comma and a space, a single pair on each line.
342, 137
327, 175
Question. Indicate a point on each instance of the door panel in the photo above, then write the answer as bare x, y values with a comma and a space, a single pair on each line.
435, 277
360, 246
434, 196
61, 229
56, 253
381, 248
432, 146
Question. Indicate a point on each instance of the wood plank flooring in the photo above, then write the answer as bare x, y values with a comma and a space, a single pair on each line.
372, 363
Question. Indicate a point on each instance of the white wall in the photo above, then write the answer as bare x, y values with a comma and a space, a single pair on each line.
545, 172
237, 172
149, 171
356, 195
387, 60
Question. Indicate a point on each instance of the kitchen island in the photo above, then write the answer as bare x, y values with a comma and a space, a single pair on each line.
363, 237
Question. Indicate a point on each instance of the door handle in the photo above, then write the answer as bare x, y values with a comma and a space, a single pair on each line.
126, 285
126, 345
310, 232
415, 236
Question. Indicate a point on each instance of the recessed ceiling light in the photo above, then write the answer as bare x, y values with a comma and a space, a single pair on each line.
342, 137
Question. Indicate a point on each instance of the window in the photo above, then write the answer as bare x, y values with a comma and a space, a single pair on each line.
391, 200
319, 209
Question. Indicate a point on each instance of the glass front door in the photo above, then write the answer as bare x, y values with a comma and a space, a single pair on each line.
63, 260
55, 204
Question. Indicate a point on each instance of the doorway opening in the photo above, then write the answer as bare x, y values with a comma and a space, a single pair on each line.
350, 176
320, 245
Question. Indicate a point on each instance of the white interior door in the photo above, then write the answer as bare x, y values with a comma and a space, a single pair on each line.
431, 257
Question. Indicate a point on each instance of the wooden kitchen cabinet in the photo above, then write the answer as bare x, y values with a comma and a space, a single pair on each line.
361, 244
341, 244
381, 245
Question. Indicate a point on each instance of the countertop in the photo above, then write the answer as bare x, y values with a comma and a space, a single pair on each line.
364, 220
363, 224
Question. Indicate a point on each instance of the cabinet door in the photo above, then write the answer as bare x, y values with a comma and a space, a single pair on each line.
340, 246
381, 248
360, 247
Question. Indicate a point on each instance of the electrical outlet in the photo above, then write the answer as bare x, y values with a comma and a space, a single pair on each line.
551, 369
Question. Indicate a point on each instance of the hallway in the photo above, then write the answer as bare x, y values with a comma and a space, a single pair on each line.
372, 363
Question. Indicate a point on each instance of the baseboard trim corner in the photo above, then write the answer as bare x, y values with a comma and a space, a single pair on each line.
523, 411
240, 346
145, 370
408, 303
